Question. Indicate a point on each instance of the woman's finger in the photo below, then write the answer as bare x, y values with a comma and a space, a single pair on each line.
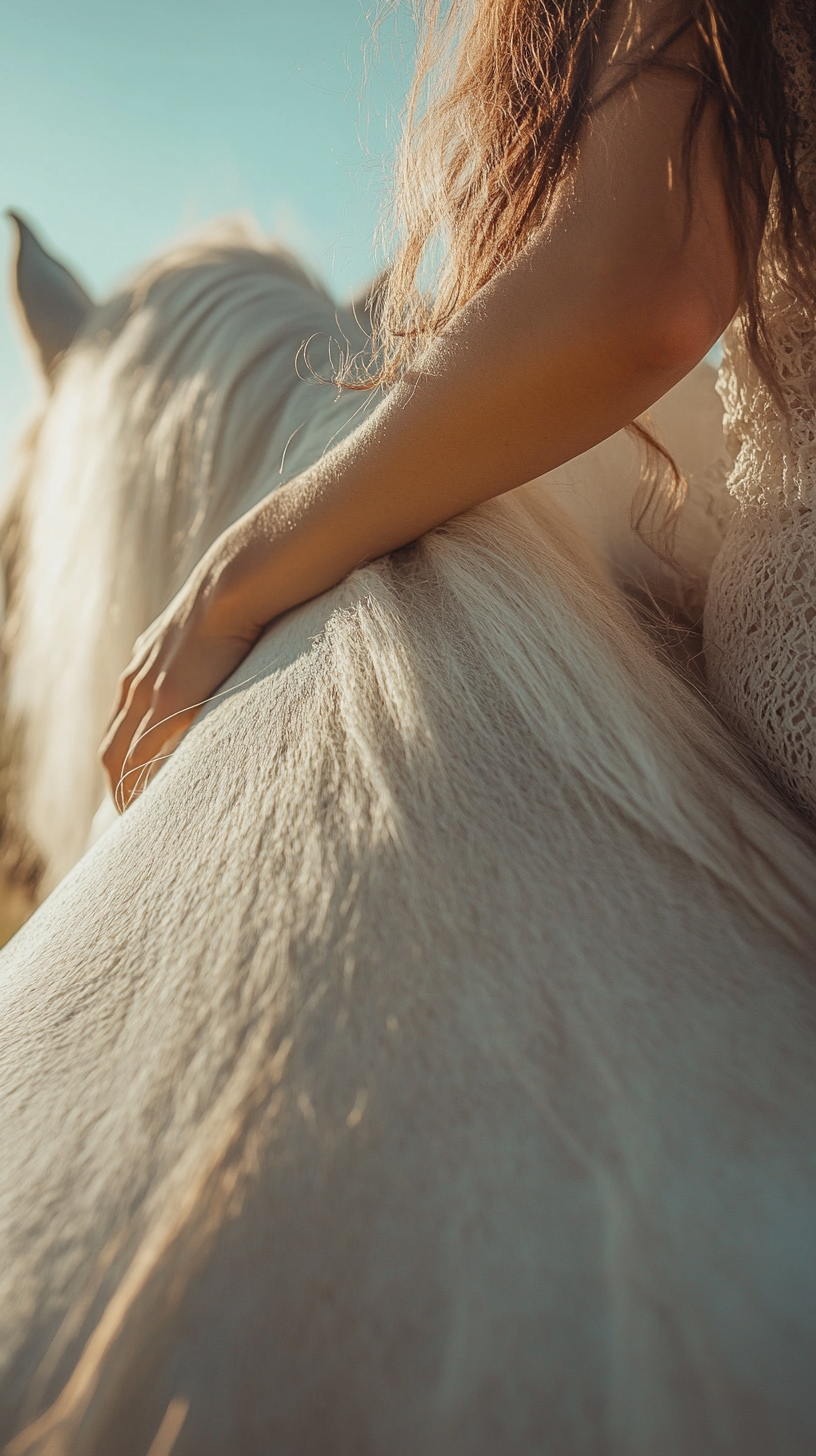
124, 729
157, 734
132, 766
157, 714
123, 689
138, 686
173, 671
135, 672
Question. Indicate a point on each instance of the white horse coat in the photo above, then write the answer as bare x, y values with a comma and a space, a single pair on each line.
426, 1062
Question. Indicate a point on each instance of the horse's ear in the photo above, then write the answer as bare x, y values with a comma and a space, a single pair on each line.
52, 304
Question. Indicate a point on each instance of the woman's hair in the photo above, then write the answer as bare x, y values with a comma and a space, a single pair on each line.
502, 88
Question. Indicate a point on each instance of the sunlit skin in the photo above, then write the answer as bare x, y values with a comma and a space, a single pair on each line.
618, 296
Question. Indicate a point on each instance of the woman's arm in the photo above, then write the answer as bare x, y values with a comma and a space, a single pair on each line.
622, 292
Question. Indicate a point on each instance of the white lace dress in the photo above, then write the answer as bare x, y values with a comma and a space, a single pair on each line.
760, 619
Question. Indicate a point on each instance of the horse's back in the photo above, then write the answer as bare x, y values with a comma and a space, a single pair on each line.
413, 1101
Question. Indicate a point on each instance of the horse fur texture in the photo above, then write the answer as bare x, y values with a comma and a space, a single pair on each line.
426, 1061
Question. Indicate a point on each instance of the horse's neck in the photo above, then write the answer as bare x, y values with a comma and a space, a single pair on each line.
314, 419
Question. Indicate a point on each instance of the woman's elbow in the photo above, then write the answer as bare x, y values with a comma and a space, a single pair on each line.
678, 331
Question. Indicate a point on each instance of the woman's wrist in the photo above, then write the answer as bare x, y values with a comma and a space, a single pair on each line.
240, 583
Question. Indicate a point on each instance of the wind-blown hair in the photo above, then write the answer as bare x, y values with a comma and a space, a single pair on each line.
501, 91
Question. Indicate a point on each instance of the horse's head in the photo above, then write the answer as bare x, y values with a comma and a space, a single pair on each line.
172, 405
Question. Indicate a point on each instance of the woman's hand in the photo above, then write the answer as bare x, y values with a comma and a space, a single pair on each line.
176, 665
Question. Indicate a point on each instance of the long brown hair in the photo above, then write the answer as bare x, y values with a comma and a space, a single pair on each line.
501, 90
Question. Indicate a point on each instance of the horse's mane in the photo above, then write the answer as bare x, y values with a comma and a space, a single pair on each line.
201, 379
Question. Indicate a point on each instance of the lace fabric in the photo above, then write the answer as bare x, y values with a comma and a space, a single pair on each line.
760, 618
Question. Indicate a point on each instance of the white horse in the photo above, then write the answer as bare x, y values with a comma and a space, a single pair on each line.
426, 1062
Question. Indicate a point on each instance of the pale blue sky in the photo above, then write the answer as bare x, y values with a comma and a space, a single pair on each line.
125, 122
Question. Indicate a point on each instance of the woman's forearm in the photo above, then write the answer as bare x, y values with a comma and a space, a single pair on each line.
432, 450
621, 295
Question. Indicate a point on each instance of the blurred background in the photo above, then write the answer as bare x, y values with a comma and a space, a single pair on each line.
125, 124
